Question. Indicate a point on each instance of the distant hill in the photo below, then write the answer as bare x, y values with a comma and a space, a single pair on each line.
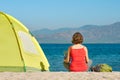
92, 34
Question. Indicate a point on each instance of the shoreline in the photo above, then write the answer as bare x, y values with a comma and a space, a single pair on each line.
59, 75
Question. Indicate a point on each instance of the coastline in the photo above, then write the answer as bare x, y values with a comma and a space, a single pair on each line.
59, 75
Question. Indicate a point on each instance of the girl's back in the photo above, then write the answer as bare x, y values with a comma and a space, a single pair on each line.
77, 58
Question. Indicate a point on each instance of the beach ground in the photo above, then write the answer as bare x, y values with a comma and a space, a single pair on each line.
59, 75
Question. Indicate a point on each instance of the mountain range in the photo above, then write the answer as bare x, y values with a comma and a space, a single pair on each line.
91, 33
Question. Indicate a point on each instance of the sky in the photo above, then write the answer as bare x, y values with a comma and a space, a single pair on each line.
54, 14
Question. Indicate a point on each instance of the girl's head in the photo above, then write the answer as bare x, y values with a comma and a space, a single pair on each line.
77, 38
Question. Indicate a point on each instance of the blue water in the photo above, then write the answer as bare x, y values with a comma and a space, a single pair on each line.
99, 53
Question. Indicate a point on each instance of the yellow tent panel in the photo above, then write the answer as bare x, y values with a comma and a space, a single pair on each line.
19, 50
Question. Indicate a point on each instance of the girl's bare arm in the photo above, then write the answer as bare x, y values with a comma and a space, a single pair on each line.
87, 58
67, 59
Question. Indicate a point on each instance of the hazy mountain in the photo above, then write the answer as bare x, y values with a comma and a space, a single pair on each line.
92, 34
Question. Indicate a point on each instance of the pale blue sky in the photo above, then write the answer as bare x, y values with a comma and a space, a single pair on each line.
54, 14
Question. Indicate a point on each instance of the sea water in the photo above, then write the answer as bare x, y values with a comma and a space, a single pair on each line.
99, 53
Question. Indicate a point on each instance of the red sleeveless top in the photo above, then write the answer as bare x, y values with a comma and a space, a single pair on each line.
77, 58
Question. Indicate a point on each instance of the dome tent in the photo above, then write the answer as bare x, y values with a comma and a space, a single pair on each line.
19, 50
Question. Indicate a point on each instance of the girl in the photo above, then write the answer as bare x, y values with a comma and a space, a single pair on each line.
77, 55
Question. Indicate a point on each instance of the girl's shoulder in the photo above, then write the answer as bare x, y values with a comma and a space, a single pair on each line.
80, 46
70, 47
84, 47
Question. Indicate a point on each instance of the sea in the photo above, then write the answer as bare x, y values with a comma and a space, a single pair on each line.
98, 53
